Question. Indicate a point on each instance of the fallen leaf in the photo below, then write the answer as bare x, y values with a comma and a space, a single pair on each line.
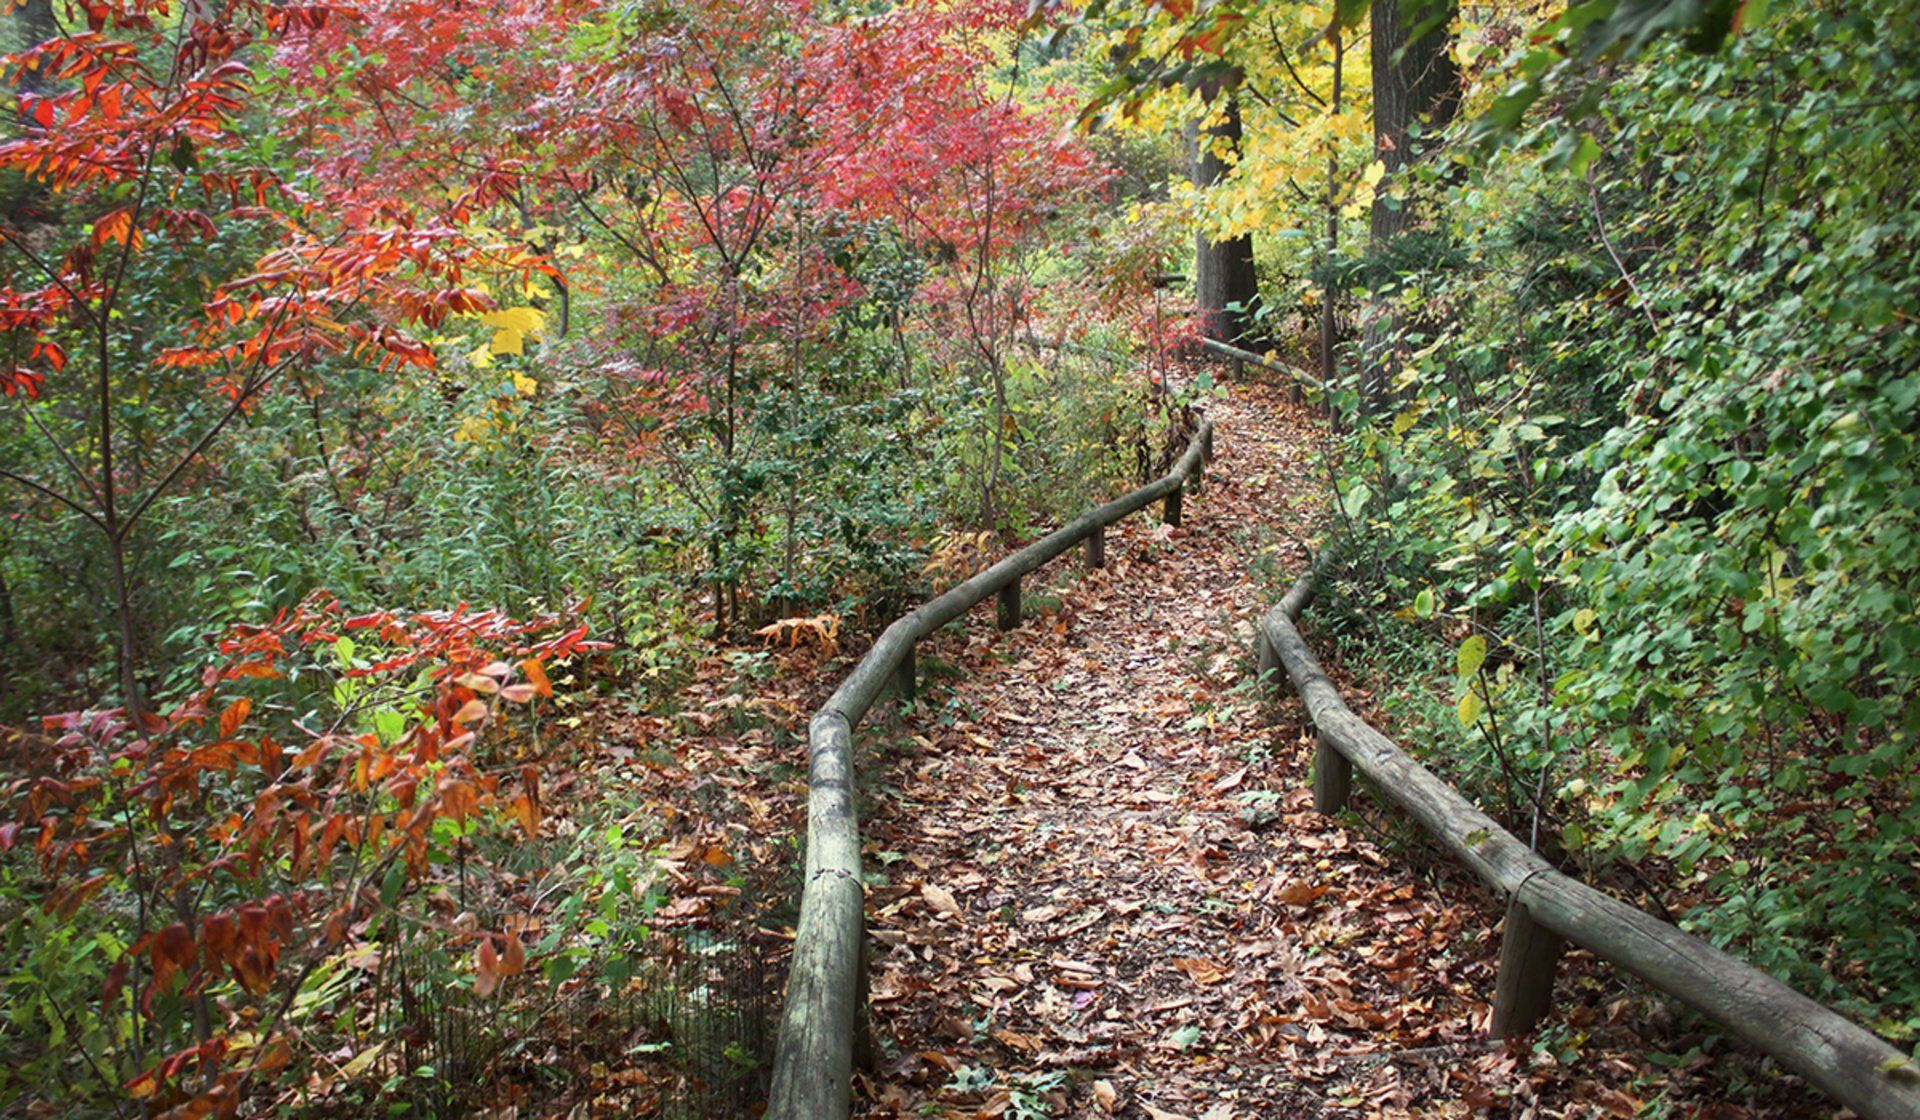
942, 901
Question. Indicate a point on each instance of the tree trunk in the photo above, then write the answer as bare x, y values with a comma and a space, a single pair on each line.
1411, 81
1223, 278
1329, 366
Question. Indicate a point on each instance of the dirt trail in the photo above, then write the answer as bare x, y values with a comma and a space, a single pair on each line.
1107, 893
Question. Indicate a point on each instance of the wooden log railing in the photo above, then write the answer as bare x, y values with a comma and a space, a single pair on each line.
1545, 907
1240, 359
826, 980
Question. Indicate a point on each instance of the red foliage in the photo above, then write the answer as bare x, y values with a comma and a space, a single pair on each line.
249, 846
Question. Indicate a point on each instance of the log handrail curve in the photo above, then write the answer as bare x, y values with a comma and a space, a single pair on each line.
813, 1058
1248, 357
1852, 1065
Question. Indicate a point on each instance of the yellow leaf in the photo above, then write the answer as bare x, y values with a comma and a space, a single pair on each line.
524, 385
1470, 709
362, 1062
1375, 172
481, 357
1473, 654
511, 326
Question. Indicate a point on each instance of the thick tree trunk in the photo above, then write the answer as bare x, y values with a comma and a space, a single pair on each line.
1223, 277
1411, 81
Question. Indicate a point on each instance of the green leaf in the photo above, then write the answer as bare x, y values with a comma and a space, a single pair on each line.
393, 883
1423, 603
1470, 709
1473, 654
1356, 499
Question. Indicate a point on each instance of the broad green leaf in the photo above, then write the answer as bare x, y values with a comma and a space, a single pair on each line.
1423, 603
1356, 499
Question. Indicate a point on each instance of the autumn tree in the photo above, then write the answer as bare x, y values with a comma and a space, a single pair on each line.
139, 328
1416, 92
1225, 285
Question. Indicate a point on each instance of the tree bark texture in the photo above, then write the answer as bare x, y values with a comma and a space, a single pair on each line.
1412, 81
1222, 270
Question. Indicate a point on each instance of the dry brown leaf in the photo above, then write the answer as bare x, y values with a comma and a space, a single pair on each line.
942, 901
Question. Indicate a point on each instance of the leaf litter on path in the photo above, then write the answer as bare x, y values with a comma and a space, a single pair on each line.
1107, 892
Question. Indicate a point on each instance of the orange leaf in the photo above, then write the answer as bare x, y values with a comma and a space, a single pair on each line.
486, 977
537, 674
234, 716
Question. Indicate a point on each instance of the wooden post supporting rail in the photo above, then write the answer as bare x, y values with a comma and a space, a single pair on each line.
1529, 957
905, 678
1171, 515
1332, 778
1096, 548
1010, 606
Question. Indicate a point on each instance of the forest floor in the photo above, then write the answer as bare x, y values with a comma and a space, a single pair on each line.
1097, 885
1102, 889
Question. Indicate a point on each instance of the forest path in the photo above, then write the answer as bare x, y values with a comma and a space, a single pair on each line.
1107, 893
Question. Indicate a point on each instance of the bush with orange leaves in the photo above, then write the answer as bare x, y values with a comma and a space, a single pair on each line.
178, 887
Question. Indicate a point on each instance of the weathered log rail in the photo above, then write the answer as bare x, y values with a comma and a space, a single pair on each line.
1240, 359
813, 1059
1852, 1065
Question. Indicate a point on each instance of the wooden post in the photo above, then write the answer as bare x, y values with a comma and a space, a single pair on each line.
1529, 955
905, 680
1172, 512
1269, 660
1206, 446
866, 1055
1096, 548
1332, 778
1010, 605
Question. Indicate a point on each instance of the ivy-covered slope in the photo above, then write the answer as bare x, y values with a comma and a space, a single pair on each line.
1659, 447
